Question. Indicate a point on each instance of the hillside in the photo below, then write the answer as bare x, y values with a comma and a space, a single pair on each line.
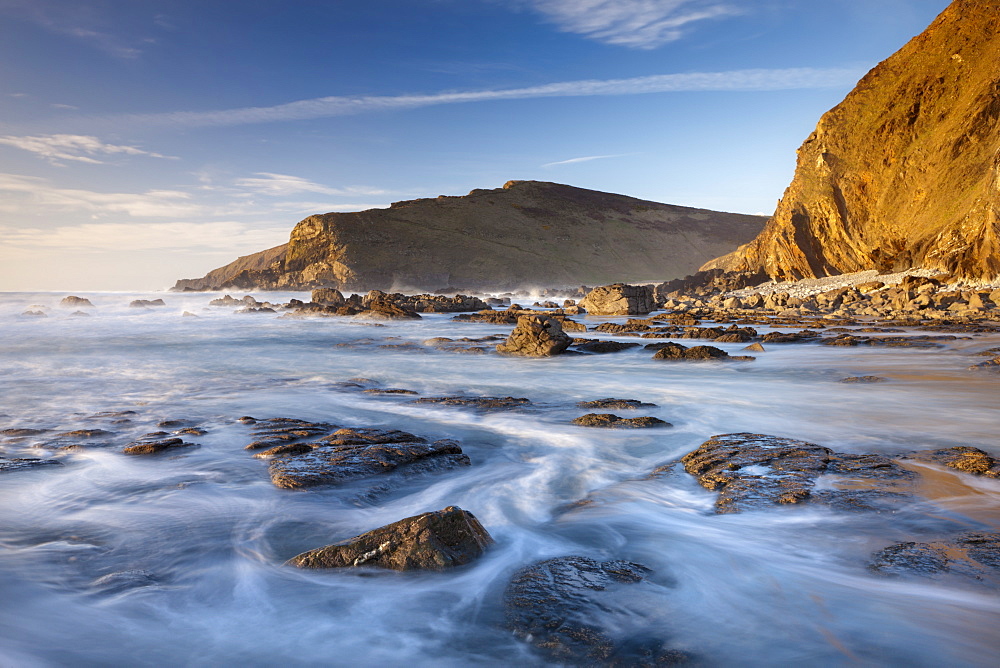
526, 234
905, 172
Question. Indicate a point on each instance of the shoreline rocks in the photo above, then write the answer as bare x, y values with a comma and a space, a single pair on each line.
535, 336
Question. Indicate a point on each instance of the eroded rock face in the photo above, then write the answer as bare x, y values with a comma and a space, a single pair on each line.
928, 195
755, 471
433, 541
555, 605
619, 299
535, 336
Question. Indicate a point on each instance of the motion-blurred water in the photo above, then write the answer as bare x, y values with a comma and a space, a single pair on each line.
786, 586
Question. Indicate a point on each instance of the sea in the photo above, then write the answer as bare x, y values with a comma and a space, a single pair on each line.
202, 535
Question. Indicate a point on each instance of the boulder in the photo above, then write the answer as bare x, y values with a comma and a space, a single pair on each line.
535, 336
328, 296
619, 299
75, 302
432, 541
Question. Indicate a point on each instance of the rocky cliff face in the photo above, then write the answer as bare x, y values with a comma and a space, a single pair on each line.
528, 233
905, 172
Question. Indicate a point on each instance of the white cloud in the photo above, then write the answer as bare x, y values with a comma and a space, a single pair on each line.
226, 236
639, 24
77, 148
323, 107
283, 185
26, 194
586, 158
83, 21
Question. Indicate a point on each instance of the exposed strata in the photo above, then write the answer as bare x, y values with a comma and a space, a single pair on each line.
528, 233
905, 172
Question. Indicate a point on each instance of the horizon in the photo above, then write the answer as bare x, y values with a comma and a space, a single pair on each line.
144, 144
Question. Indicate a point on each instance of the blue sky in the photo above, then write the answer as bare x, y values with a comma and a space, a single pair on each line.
143, 141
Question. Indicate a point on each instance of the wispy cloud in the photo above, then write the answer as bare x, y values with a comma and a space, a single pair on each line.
323, 107
284, 185
586, 158
76, 148
25, 194
638, 24
84, 22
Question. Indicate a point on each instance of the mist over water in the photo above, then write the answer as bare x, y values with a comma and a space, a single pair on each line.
785, 586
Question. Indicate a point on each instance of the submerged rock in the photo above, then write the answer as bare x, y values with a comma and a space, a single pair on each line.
121, 581
153, 447
145, 303
863, 379
611, 421
556, 604
974, 555
756, 470
21, 464
432, 541
535, 336
615, 404
479, 403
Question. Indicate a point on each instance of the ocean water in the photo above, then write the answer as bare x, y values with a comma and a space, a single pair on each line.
783, 586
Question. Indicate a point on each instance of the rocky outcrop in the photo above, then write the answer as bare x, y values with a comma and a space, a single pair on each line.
619, 299
535, 336
526, 234
964, 458
905, 172
432, 541
612, 421
972, 555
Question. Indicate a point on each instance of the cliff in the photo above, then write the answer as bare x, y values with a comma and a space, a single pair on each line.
528, 233
905, 172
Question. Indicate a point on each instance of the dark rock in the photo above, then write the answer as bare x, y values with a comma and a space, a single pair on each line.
387, 390
535, 336
973, 555
962, 457
22, 432
116, 583
615, 404
609, 420
605, 346
286, 449
790, 337
20, 464
863, 379
432, 541
356, 454
755, 471
479, 403
153, 447
675, 351
556, 605
619, 299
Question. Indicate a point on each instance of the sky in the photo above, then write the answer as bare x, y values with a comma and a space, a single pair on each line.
142, 141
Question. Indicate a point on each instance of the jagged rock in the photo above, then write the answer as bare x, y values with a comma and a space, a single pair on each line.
383, 309
556, 605
479, 403
535, 336
432, 541
963, 458
75, 302
612, 421
932, 110
354, 454
547, 233
615, 404
756, 471
619, 299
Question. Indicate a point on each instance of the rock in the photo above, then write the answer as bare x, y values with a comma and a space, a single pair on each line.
863, 379
598, 347
989, 365
756, 471
675, 351
755, 347
432, 541
973, 555
144, 303
619, 299
963, 458
615, 404
354, 454
35, 314
609, 420
479, 403
22, 432
20, 464
387, 390
188, 314
383, 309
75, 302
535, 336
557, 606
155, 446
327, 296
79, 314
